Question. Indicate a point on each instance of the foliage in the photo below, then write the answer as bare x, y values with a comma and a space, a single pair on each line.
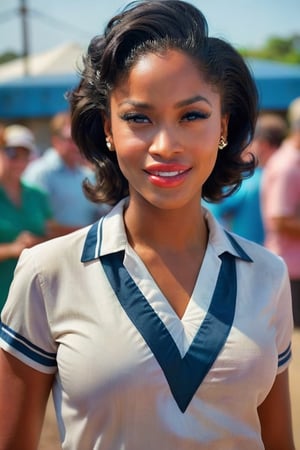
276, 48
8, 56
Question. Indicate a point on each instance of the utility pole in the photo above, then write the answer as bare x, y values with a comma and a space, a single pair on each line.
23, 13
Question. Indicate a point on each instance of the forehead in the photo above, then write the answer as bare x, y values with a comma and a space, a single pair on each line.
169, 72
150, 60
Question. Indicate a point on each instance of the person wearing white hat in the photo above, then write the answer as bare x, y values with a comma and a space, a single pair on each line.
25, 210
19, 136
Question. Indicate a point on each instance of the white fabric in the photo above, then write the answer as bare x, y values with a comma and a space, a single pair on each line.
110, 392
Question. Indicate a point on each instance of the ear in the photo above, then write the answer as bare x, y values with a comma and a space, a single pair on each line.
224, 126
107, 125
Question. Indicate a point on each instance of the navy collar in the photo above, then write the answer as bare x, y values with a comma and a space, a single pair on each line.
183, 374
108, 236
106, 241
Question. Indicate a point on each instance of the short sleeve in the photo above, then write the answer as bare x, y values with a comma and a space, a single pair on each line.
25, 330
284, 322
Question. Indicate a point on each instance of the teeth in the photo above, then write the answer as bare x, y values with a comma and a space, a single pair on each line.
168, 174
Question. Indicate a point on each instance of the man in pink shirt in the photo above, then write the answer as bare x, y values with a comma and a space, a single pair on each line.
281, 204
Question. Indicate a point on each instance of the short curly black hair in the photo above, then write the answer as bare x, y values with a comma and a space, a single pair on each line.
156, 26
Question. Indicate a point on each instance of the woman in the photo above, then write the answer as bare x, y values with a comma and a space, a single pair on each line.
25, 210
169, 333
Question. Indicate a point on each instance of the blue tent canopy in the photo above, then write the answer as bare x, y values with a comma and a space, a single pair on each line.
35, 96
278, 84
44, 95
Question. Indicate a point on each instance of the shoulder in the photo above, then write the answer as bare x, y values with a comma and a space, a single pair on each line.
264, 261
58, 254
33, 190
45, 163
256, 257
86, 172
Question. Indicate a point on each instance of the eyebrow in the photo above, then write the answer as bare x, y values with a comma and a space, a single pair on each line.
190, 101
180, 104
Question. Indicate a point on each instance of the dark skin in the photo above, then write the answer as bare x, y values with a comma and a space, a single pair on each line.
24, 394
180, 125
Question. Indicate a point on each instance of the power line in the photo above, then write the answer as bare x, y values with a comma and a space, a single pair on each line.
24, 12
46, 18
8, 15
58, 24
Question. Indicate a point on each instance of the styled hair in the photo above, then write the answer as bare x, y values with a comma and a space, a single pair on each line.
156, 26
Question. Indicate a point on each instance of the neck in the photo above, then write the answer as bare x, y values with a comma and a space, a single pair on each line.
10, 182
12, 187
175, 230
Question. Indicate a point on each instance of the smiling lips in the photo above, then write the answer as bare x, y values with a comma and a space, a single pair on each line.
167, 175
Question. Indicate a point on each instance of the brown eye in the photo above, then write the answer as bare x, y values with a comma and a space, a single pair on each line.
195, 115
136, 118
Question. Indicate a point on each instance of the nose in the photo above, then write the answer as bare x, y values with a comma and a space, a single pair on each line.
165, 143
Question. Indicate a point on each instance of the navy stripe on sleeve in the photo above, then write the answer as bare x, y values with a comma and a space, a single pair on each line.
25, 347
285, 356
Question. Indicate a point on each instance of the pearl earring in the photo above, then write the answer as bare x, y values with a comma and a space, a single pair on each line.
109, 145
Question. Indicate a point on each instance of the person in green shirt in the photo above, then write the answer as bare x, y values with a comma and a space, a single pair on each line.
25, 217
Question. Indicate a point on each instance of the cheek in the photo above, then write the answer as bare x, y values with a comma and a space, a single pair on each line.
128, 156
207, 148
129, 147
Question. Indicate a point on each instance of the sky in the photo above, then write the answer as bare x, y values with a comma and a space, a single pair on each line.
244, 23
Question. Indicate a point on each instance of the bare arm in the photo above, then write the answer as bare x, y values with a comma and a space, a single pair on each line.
288, 225
26, 239
13, 249
55, 229
23, 398
275, 416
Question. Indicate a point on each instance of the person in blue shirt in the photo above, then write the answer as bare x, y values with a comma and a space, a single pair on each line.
241, 211
60, 172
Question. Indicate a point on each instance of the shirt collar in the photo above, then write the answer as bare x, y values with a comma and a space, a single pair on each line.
108, 236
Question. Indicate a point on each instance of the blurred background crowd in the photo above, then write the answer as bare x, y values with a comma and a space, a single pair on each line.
41, 195
42, 171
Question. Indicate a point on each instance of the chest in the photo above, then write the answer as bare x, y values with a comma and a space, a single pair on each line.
113, 357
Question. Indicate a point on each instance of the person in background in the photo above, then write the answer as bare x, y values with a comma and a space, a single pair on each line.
2, 128
281, 204
155, 327
241, 211
60, 172
25, 213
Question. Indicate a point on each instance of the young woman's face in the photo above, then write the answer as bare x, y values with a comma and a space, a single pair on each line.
165, 124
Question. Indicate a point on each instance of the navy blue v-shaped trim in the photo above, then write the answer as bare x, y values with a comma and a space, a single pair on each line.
184, 375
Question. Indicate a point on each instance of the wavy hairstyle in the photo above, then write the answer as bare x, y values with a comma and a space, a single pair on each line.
156, 26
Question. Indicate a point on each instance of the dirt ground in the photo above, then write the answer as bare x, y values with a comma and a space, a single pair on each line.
50, 441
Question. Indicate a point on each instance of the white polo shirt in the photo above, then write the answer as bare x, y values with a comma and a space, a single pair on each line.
131, 375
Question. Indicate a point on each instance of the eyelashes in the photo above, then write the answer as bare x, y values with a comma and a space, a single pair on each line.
142, 118
195, 115
135, 117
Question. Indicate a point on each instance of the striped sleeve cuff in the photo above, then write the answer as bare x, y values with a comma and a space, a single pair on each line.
17, 344
285, 356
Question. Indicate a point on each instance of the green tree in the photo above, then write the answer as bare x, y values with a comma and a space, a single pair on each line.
277, 48
8, 56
